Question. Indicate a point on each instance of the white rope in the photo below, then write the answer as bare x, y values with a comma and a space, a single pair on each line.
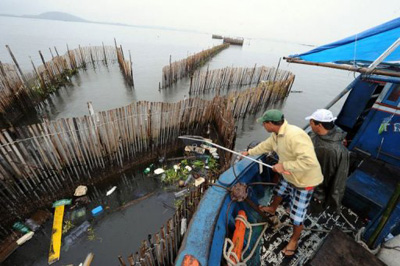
363, 244
228, 253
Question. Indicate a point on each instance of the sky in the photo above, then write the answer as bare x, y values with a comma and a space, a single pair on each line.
304, 21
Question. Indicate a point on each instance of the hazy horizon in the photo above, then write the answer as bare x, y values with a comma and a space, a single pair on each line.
306, 21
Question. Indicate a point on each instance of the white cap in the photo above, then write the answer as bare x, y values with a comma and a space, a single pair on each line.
322, 115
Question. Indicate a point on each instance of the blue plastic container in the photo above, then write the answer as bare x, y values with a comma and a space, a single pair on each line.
97, 210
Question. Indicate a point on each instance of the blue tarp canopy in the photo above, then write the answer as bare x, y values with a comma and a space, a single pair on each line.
363, 47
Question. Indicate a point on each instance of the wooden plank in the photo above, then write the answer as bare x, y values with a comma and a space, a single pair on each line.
55, 244
339, 249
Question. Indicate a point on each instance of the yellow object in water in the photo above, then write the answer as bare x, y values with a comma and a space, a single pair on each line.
55, 245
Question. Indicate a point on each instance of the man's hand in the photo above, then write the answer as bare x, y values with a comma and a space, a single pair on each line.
244, 153
279, 169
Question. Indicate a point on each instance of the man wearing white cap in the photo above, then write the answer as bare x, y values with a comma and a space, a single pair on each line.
333, 157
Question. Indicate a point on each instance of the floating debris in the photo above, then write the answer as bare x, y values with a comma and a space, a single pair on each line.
76, 233
80, 191
89, 259
32, 224
67, 226
159, 171
20, 227
188, 180
183, 226
111, 191
181, 193
195, 148
176, 167
148, 169
25, 238
55, 245
77, 214
62, 202
97, 210
199, 181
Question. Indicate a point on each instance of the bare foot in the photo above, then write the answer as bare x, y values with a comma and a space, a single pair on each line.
267, 209
290, 249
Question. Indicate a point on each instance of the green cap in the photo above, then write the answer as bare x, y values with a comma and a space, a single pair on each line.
271, 115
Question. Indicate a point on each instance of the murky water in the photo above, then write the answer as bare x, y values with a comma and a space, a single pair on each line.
120, 232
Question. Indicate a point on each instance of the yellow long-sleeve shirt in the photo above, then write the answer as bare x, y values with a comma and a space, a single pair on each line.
296, 153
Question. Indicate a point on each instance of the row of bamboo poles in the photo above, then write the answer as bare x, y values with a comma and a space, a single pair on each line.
125, 65
228, 78
186, 67
20, 92
252, 100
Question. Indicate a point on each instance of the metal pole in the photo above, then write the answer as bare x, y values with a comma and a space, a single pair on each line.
340, 95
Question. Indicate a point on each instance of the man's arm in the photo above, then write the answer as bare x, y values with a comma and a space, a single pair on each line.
263, 147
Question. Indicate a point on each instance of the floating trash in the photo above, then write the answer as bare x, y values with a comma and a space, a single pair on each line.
199, 181
32, 224
80, 191
176, 167
62, 202
188, 180
148, 169
21, 227
181, 193
111, 191
187, 167
77, 214
25, 238
159, 171
97, 210
76, 233
195, 148
183, 226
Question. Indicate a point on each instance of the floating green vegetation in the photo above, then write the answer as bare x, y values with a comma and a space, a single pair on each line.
178, 202
181, 171
92, 236
68, 225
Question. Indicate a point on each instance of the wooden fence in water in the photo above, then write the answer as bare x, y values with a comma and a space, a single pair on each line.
38, 161
252, 100
224, 79
185, 67
20, 92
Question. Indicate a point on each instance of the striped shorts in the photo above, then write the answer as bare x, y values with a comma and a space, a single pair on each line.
299, 200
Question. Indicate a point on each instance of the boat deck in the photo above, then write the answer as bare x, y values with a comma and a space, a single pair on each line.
275, 240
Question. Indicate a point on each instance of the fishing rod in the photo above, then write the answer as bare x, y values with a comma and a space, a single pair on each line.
199, 138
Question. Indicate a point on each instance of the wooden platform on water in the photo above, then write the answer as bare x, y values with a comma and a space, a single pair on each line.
234, 41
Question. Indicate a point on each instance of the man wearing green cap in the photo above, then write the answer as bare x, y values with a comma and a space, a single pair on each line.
298, 166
